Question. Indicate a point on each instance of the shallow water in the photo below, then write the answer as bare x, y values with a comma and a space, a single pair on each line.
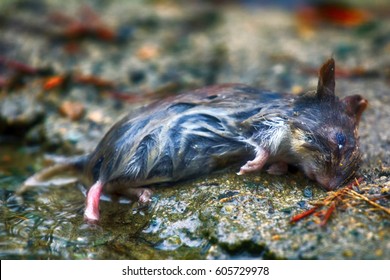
47, 223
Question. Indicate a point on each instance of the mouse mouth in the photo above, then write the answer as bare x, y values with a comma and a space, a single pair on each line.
330, 183
325, 182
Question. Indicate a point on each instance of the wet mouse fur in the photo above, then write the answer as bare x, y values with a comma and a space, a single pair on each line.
200, 131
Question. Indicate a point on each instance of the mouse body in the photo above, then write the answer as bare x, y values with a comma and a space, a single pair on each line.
208, 129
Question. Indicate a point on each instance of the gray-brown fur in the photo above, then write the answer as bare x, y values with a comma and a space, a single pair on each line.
175, 139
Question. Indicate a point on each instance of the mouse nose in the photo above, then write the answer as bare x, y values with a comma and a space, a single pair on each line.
329, 183
333, 183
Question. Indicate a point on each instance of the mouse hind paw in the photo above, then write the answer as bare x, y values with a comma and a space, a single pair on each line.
144, 196
140, 195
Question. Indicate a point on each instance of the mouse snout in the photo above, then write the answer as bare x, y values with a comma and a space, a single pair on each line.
328, 179
329, 183
325, 181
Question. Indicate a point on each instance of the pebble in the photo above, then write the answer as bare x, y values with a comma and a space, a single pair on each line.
72, 110
297, 89
275, 237
348, 253
96, 116
147, 52
379, 252
308, 192
382, 178
301, 204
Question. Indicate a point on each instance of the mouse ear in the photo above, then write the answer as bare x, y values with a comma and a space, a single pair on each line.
355, 105
326, 81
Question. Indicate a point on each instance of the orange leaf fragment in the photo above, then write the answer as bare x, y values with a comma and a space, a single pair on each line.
53, 82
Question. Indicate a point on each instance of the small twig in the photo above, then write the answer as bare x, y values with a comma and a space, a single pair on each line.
60, 80
328, 213
331, 200
302, 215
18, 66
88, 24
53, 82
358, 195
93, 80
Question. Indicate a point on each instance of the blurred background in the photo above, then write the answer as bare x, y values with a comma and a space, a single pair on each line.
69, 69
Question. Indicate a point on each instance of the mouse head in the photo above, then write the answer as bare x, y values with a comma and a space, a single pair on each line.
324, 132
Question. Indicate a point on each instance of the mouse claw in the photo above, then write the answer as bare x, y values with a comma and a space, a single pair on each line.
256, 164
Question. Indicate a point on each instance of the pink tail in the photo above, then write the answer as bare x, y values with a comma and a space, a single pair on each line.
91, 213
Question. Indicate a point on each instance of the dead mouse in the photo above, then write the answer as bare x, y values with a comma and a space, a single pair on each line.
204, 130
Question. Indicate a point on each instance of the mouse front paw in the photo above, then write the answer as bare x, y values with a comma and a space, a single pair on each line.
256, 164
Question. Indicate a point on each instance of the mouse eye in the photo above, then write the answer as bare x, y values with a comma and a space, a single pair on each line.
340, 137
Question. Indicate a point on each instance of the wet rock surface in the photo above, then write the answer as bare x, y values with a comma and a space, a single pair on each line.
131, 53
